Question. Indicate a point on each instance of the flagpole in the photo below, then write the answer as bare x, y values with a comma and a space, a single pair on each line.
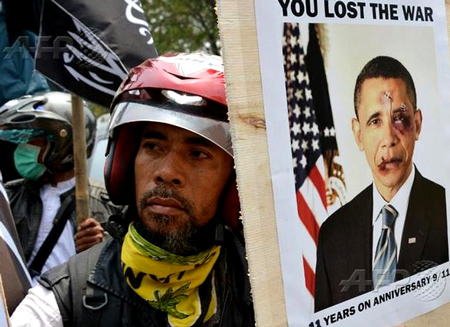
80, 160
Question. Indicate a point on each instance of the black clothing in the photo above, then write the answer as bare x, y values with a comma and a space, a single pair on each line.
91, 290
26, 207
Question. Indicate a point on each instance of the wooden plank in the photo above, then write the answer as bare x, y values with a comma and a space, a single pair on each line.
238, 37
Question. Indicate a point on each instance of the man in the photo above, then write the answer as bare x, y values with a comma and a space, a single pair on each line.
180, 263
43, 202
397, 226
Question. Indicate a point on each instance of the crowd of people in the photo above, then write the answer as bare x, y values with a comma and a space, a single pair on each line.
165, 247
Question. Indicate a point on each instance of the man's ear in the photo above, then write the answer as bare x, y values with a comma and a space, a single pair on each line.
356, 128
418, 121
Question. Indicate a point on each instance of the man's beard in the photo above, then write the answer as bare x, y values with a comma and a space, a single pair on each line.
188, 240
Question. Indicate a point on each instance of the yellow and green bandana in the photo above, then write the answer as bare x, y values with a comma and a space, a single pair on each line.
171, 283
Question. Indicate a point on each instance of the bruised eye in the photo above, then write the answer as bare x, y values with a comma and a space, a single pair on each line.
401, 121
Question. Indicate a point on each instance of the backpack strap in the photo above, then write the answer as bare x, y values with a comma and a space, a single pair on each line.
87, 298
46, 248
69, 284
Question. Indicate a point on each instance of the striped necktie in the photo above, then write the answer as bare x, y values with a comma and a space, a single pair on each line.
385, 262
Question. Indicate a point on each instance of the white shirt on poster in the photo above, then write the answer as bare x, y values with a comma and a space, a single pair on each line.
400, 203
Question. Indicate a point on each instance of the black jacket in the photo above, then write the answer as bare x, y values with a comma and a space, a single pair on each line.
26, 207
91, 290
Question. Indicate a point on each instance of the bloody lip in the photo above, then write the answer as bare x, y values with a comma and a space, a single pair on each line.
391, 163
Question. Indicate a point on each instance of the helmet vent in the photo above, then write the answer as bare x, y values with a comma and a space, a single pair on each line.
184, 99
38, 107
23, 118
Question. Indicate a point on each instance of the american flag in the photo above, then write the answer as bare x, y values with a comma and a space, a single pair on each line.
313, 140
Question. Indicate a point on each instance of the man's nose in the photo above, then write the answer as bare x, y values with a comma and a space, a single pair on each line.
390, 138
170, 170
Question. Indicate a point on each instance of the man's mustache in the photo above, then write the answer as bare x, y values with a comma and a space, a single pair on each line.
165, 193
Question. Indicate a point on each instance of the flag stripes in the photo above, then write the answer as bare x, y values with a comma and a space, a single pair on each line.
312, 138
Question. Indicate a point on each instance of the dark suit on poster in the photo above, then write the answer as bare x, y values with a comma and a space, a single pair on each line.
345, 242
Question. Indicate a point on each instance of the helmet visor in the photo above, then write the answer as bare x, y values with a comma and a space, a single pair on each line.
218, 132
20, 136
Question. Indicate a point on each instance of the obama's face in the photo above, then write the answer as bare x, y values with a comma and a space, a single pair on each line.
386, 130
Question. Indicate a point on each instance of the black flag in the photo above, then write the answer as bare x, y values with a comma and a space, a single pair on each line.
13, 270
87, 46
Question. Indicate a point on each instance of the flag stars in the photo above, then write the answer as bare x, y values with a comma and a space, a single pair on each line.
298, 93
307, 112
304, 145
296, 128
315, 145
329, 132
308, 94
301, 57
291, 75
306, 128
297, 111
292, 58
295, 145
303, 162
301, 76
293, 41
289, 93
315, 129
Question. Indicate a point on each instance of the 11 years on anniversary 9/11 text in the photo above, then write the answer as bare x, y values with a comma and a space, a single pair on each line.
419, 285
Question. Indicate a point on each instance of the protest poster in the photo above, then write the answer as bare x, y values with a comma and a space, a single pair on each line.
315, 164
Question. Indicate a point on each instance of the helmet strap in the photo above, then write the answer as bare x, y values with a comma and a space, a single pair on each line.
219, 235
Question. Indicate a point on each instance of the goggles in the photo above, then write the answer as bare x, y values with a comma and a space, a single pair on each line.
20, 136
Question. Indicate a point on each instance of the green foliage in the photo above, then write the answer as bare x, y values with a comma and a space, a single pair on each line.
97, 109
183, 26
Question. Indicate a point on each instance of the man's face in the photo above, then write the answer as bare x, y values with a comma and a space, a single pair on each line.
386, 130
179, 178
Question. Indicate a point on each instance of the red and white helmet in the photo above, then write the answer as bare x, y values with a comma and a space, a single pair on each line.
183, 90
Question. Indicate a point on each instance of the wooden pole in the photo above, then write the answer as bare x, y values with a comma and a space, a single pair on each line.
80, 160
246, 113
